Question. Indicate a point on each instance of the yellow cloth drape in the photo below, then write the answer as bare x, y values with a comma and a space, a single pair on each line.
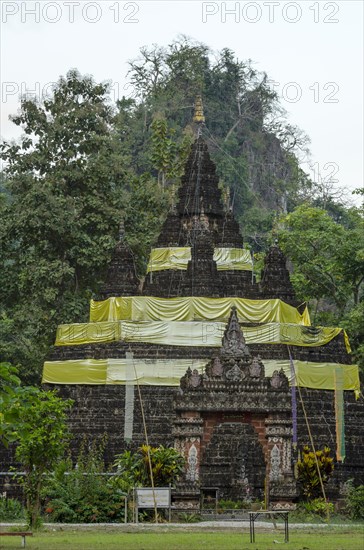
178, 257
167, 372
168, 258
87, 333
148, 308
233, 258
191, 333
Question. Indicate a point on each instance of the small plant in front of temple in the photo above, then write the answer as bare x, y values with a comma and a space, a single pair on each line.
79, 493
189, 517
355, 501
11, 509
318, 507
133, 469
232, 504
307, 471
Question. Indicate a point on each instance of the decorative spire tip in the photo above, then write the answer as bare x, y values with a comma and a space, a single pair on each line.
198, 117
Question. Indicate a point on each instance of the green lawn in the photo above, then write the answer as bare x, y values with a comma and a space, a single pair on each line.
328, 539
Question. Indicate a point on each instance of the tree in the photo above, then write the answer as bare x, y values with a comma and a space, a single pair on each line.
168, 156
67, 183
328, 257
10, 396
144, 216
35, 420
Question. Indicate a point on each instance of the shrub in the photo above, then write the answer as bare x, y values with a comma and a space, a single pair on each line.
11, 509
355, 501
318, 507
232, 504
133, 468
307, 471
80, 493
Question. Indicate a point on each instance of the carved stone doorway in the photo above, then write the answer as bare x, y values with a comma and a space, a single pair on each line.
233, 462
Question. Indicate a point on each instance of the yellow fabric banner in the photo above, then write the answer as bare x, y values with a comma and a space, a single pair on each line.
178, 258
233, 258
168, 372
148, 308
88, 333
191, 333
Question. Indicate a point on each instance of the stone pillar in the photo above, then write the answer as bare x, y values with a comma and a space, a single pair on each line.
187, 433
280, 476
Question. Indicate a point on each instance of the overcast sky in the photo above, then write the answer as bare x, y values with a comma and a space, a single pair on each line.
313, 51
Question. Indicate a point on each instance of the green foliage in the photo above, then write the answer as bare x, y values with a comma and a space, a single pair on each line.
133, 468
168, 156
233, 504
353, 322
328, 256
11, 509
80, 493
10, 395
66, 183
308, 475
189, 517
355, 501
36, 421
143, 219
318, 506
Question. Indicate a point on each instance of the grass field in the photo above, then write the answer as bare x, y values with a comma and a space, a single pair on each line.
331, 538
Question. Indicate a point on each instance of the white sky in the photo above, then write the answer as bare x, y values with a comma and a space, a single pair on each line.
301, 45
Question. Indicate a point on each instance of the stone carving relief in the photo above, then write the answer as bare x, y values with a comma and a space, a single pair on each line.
192, 464
217, 368
233, 342
234, 374
287, 453
279, 380
192, 379
256, 369
275, 464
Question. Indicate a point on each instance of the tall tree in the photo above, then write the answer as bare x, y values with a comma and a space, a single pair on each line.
328, 256
67, 184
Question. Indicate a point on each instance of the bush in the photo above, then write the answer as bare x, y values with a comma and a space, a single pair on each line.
318, 507
307, 471
133, 468
80, 493
11, 509
233, 504
355, 501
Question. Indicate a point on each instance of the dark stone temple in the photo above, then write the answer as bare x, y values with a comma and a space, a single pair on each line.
227, 404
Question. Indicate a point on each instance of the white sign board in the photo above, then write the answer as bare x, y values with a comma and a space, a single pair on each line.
146, 498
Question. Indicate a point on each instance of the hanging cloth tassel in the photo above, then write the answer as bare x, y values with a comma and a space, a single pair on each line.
294, 399
339, 415
129, 398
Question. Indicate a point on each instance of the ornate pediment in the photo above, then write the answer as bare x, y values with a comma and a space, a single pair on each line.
234, 368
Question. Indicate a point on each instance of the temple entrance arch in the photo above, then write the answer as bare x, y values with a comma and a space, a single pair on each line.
233, 425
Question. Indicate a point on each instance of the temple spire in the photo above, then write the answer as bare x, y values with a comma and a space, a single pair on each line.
198, 117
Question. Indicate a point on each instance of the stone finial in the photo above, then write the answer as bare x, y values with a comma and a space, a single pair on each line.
121, 231
198, 116
233, 342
